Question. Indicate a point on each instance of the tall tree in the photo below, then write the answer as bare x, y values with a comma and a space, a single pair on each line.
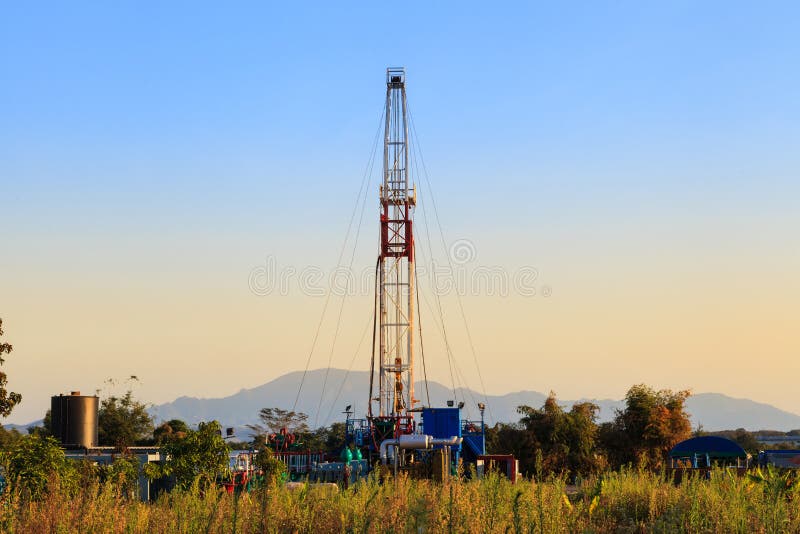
201, 455
330, 439
172, 429
566, 439
122, 421
650, 425
35, 461
273, 420
8, 399
8, 437
513, 439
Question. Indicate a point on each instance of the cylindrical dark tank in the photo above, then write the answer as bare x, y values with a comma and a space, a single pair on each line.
74, 419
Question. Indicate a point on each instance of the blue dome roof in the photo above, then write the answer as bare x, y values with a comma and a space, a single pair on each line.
714, 446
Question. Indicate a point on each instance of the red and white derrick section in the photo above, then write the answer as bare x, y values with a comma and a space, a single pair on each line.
396, 274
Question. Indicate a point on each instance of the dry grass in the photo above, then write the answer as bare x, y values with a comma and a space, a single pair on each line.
626, 501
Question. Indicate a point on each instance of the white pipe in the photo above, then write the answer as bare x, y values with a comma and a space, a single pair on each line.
415, 441
452, 440
384, 445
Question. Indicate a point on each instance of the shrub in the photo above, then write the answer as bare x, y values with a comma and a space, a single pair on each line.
34, 461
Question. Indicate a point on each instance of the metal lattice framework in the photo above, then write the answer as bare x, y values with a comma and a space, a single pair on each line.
396, 261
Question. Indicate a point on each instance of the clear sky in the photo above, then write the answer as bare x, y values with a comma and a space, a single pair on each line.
642, 158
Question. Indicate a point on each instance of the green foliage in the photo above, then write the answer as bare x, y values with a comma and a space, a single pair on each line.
33, 461
513, 439
202, 456
172, 429
777, 482
265, 461
46, 428
650, 425
123, 474
565, 440
330, 439
8, 399
8, 437
123, 421
571, 443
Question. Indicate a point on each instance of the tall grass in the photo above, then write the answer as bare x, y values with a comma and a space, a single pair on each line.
624, 501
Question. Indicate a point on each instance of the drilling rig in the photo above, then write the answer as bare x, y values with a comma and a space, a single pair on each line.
397, 427
396, 274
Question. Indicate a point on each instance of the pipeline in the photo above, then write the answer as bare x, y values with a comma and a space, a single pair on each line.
452, 441
415, 441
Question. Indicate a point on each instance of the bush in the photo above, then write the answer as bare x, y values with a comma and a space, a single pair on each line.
201, 456
33, 462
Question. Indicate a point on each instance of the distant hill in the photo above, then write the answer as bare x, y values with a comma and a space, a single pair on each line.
713, 411
23, 429
720, 412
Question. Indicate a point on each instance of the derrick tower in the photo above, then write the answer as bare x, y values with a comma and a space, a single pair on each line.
396, 274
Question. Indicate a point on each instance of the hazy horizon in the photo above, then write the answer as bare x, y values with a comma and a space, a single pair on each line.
617, 185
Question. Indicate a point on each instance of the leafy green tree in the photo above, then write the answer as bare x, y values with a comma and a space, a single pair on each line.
202, 455
34, 462
8, 399
650, 425
330, 439
566, 439
265, 461
123, 421
8, 437
513, 439
122, 473
172, 429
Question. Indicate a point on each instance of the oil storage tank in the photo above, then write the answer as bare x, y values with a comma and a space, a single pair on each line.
74, 419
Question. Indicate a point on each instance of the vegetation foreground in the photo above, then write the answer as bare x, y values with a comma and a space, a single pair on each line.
624, 501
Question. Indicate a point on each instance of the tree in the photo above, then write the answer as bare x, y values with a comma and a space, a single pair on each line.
123, 421
34, 461
513, 439
201, 455
123, 473
265, 461
273, 420
172, 429
650, 425
566, 439
8, 437
330, 439
8, 399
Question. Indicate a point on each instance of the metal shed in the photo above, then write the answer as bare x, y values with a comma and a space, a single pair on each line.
705, 451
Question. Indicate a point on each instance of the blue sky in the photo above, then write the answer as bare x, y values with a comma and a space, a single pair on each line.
176, 96
612, 145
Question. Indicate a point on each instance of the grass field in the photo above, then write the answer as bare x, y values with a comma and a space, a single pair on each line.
626, 501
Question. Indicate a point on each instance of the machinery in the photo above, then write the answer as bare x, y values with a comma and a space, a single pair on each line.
398, 429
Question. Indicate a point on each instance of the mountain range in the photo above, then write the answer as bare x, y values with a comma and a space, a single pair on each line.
712, 411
